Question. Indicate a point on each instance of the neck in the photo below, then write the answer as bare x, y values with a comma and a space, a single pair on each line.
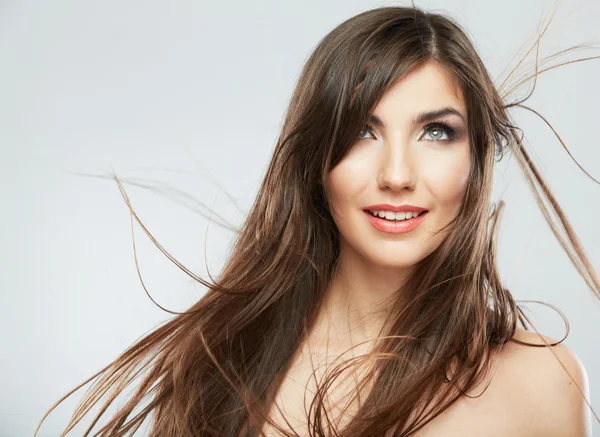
357, 301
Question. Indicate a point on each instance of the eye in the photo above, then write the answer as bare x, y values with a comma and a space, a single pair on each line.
438, 129
369, 129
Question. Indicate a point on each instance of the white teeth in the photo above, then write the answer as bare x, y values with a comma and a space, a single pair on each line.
389, 215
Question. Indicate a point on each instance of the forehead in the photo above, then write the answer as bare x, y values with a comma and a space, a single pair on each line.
424, 89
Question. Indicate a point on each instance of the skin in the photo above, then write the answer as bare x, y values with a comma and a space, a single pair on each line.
401, 162
528, 393
404, 163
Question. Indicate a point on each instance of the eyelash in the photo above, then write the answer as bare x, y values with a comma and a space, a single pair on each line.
431, 126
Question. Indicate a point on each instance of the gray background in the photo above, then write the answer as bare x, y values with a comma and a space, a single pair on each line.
192, 95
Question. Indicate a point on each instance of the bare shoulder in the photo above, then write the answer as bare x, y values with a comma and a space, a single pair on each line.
548, 384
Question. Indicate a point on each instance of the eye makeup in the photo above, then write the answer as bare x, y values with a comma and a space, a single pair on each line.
451, 132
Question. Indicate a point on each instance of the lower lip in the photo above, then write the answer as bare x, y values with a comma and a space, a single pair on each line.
396, 226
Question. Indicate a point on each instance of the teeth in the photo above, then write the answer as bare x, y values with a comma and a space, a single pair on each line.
389, 215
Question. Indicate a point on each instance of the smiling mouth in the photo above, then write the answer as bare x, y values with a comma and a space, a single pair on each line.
395, 217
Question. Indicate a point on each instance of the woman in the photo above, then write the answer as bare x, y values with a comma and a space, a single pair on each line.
362, 296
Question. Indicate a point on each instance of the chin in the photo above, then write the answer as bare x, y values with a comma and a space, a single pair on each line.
396, 261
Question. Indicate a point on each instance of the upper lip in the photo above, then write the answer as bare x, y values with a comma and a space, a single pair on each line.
395, 208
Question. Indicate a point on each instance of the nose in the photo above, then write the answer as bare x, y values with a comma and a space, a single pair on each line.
397, 169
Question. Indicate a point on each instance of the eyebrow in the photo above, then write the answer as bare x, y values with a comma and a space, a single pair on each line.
420, 118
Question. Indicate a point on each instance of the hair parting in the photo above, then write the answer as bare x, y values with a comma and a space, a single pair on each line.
215, 369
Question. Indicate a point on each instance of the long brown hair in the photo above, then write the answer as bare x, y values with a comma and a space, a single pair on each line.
214, 370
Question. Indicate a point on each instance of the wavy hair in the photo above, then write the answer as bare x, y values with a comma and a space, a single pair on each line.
214, 370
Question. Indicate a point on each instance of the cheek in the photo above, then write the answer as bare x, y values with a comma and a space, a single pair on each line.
447, 178
346, 182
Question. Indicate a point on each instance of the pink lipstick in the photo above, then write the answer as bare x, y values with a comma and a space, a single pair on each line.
395, 226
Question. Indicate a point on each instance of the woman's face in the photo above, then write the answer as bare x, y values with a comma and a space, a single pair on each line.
403, 158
